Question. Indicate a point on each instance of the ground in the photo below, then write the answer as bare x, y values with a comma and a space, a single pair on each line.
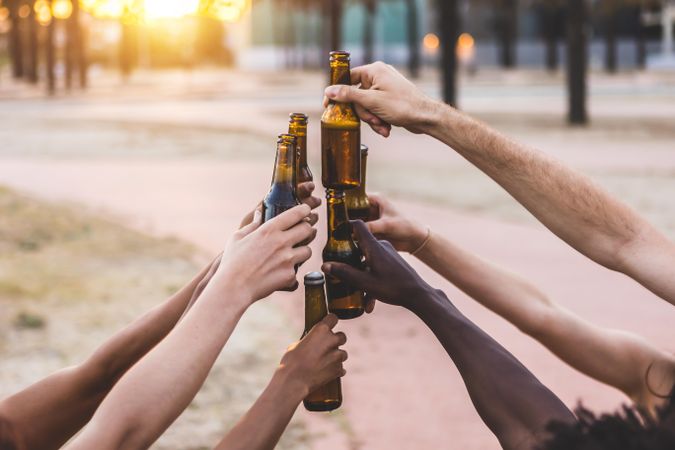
186, 154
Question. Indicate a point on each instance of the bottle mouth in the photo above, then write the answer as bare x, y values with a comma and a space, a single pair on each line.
285, 137
340, 55
314, 279
298, 117
364, 149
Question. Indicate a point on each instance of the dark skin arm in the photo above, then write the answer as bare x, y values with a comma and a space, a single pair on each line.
511, 401
49, 412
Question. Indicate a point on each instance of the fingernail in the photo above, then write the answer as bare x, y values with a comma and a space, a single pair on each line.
326, 268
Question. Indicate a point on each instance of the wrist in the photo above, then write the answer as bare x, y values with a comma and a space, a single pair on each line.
431, 116
294, 388
427, 301
229, 284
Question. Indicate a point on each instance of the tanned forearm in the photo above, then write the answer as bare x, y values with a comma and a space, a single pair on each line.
48, 413
136, 412
264, 423
509, 399
573, 207
617, 358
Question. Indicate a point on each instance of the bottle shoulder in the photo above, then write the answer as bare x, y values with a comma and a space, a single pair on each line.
281, 195
340, 115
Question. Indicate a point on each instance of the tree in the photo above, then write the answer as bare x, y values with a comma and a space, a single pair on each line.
50, 56
15, 47
369, 31
550, 13
413, 39
508, 32
610, 10
333, 14
577, 61
448, 27
32, 60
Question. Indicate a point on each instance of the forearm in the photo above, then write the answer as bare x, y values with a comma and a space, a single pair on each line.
565, 201
262, 426
150, 396
509, 399
49, 412
503, 292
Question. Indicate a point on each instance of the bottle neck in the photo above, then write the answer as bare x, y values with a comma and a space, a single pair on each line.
315, 306
338, 222
340, 74
364, 164
300, 132
284, 166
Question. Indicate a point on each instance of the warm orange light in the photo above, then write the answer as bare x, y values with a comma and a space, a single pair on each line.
62, 9
24, 11
431, 42
161, 9
4, 14
44, 13
228, 10
465, 47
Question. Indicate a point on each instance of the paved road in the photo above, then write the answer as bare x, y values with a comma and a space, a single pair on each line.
401, 392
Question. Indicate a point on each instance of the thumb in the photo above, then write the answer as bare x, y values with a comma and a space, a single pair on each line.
350, 94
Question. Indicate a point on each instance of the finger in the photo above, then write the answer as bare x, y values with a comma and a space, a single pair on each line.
378, 227
256, 222
305, 189
352, 94
337, 369
301, 254
359, 279
299, 233
313, 219
370, 304
288, 219
363, 75
368, 117
377, 206
341, 338
382, 130
312, 202
331, 320
338, 356
364, 237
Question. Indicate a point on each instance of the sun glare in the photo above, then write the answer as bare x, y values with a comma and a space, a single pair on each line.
161, 9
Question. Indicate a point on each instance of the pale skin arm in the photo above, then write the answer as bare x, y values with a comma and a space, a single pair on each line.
620, 359
49, 412
258, 261
308, 364
567, 202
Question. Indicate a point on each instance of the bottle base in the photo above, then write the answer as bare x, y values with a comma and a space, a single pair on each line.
346, 314
326, 406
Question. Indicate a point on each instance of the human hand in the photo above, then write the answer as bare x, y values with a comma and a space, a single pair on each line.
305, 196
260, 258
316, 359
385, 98
389, 278
386, 223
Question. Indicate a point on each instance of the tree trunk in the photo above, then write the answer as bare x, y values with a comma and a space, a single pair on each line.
577, 29
610, 37
640, 41
15, 47
335, 24
550, 17
508, 28
369, 31
50, 56
449, 23
32, 50
413, 39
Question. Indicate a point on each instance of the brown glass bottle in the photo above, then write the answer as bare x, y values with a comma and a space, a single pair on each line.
282, 195
343, 300
329, 396
340, 134
358, 205
297, 126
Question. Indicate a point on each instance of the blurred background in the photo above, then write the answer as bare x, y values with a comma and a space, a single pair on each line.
135, 134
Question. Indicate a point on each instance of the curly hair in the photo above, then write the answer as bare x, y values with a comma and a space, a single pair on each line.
623, 430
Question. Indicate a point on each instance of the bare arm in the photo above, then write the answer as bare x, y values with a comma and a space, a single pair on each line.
507, 396
47, 413
149, 397
307, 365
620, 359
567, 202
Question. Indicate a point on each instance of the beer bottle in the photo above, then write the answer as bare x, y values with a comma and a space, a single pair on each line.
344, 301
282, 195
358, 206
297, 126
329, 396
340, 134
